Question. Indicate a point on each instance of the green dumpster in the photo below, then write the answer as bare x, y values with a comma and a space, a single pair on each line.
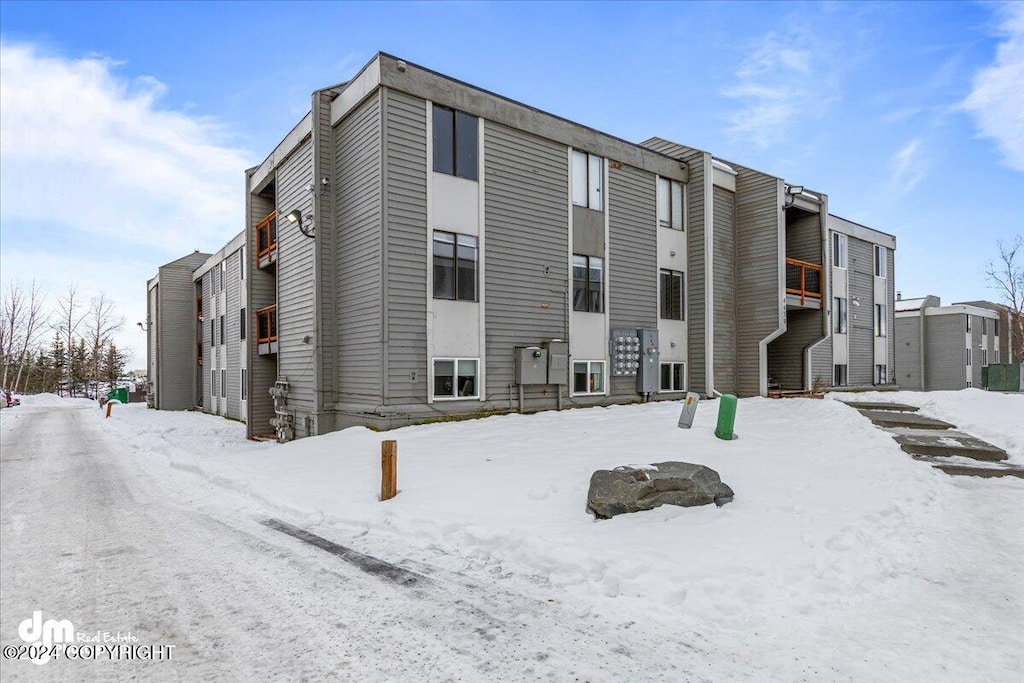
120, 394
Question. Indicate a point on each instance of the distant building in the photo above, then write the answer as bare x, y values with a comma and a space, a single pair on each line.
1011, 330
944, 347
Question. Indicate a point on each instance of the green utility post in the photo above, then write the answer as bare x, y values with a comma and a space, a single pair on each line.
726, 417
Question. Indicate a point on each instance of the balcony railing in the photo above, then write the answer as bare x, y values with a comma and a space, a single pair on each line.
266, 241
803, 280
266, 330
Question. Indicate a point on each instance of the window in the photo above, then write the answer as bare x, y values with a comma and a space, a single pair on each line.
455, 143
984, 357
223, 383
881, 374
672, 377
839, 375
838, 250
223, 273
880, 320
672, 307
213, 383
984, 326
968, 356
670, 204
455, 265
241, 323
588, 377
213, 335
587, 284
995, 327
222, 330
214, 285
995, 356
266, 236
587, 180
266, 324
880, 258
244, 389
241, 263
839, 315
968, 322
456, 378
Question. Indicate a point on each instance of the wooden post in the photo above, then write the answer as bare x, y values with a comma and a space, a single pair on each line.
388, 469
110, 404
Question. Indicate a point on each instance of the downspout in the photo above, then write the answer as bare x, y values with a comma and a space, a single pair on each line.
709, 277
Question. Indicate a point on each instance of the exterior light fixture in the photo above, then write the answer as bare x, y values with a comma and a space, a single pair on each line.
144, 326
791, 193
295, 216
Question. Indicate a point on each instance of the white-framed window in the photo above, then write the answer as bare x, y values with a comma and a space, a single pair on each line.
670, 203
241, 263
995, 327
213, 383
839, 315
244, 387
455, 266
223, 273
455, 143
881, 374
995, 356
223, 383
880, 320
673, 377
968, 356
673, 305
838, 250
588, 377
587, 284
839, 375
968, 327
984, 357
222, 337
587, 180
880, 260
456, 378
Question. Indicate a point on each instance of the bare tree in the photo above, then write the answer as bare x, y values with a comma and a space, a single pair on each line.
101, 322
35, 320
12, 313
69, 317
1006, 275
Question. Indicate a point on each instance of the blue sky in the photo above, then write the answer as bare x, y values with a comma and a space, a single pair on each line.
125, 128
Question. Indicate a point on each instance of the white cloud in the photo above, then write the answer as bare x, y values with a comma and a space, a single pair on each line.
997, 100
780, 83
88, 150
907, 167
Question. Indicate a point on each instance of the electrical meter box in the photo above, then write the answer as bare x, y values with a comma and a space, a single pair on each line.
625, 352
531, 365
648, 373
558, 362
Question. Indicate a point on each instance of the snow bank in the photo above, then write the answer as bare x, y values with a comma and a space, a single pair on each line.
836, 549
51, 400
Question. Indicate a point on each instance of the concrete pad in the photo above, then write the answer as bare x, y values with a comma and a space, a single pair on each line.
967, 471
885, 418
879, 405
946, 444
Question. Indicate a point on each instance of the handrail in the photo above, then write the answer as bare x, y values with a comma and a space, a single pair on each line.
803, 292
265, 245
270, 313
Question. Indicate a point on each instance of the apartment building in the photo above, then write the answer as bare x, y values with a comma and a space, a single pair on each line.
1009, 331
945, 347
420, 247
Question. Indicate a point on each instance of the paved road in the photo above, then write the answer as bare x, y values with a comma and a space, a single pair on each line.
91, 536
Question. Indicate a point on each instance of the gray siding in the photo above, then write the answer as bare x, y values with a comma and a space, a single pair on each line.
696, 318
176, 304
803, 236
261, 292
325, 254
861, 273
786, 354
945, 351
296, 317
758, 289
232, 289
405, 240
153, 328
209, 359
724, 291
907, 336
976, 351
357, 192
632, 256
526, 213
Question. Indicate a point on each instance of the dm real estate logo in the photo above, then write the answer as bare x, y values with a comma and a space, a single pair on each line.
45, 634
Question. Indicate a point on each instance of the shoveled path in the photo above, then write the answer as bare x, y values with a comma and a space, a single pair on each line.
937, 442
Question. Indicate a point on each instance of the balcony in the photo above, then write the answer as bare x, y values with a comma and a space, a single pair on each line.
266, 330
803, 284
266, 241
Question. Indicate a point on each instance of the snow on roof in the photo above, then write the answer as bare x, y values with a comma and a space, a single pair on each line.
908, 304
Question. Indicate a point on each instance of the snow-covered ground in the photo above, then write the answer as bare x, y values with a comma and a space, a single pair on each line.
841, 558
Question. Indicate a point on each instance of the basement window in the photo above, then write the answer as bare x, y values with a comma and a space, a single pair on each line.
839, 375
673, 377
456, 378
588, 377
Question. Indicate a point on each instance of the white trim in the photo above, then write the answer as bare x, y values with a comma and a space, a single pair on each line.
480, 245
762, 346
672, 391
429, 293
604, 377
861, 232
607, 274
455, 376
709, 279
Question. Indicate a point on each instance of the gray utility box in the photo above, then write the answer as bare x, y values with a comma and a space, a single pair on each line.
558, 362
648, 375
531, 365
